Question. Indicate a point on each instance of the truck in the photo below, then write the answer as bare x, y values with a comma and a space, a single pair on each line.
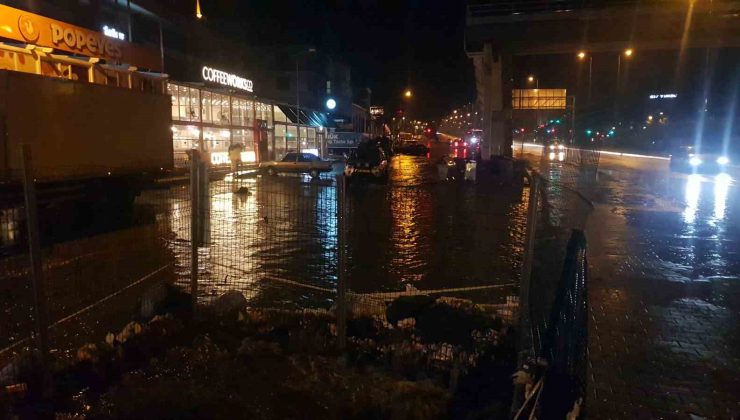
93, 147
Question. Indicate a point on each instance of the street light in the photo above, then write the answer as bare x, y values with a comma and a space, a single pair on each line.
532, 79
407, 94
581, 57
627, 55
198, 14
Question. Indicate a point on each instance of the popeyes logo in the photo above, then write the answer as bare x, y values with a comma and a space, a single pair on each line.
94, 42
28, 29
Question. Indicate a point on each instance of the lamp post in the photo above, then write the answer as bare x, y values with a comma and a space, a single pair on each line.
298, 94
582, 56
627, 55
536, 81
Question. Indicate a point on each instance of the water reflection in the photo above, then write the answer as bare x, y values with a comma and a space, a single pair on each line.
722, 184
430, 233
692, 193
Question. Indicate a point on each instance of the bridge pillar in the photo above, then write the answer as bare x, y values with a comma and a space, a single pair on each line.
493, 75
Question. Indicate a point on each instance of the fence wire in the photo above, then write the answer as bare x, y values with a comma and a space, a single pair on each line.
557, 301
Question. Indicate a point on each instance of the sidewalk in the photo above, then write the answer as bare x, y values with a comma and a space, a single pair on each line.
663, 335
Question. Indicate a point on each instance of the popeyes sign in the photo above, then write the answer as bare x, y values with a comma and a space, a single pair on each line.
27, 27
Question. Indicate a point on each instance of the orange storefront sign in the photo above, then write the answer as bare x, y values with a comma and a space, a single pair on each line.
30, 28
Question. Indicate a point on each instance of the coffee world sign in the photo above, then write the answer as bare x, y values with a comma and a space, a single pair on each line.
210, 74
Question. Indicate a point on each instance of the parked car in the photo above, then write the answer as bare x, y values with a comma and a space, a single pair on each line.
706, 160
294, 162
413, 148
368, 160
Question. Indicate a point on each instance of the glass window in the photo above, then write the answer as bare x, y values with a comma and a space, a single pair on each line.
280, 115
248, 113
308, 141
280, 146
186, 100
216, 139
292, 138
172, 91
185, 137
246, 138
221, 114
264, 113
207, 110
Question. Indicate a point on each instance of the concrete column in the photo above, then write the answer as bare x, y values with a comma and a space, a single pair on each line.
494, 84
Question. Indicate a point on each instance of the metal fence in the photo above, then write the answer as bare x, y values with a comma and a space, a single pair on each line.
288, 244
554, 314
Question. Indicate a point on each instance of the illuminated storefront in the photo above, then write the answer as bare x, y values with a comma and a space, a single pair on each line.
212, 119
211, 115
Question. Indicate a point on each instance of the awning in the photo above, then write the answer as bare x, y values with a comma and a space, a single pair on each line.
311, 118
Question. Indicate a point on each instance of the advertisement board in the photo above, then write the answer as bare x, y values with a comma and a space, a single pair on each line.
334, 139
22, 26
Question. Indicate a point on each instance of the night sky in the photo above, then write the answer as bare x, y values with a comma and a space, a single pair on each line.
390, 45
394, 44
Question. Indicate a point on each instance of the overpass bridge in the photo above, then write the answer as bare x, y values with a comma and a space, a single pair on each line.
496, 31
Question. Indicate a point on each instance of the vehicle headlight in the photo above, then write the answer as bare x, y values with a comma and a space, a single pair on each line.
474, 140
561, 147
723, 160
551, 156
552, 147
695, 161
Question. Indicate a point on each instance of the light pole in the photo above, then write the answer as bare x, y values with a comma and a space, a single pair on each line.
627, 55
581, 57
536, 80
298, 94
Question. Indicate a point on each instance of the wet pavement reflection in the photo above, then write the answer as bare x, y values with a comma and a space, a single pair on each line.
664, 290
427, 233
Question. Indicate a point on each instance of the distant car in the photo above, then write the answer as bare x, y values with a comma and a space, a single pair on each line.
556, 151
368, 160
412, 148
461, 149
706, 160
297, 163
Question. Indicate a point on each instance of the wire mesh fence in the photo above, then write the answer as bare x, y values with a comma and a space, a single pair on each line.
554, 311
418, 269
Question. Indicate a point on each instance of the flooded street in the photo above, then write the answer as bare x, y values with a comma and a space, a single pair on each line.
411, 230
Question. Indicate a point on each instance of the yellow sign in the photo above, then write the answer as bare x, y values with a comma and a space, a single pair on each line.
538, 98
30, 28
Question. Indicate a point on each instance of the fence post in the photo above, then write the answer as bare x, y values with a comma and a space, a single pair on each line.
34, 248
341, 185
194, 230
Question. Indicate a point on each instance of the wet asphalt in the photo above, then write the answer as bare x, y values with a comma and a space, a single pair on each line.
664, 290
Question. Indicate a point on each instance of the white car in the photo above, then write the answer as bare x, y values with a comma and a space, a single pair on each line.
296, 163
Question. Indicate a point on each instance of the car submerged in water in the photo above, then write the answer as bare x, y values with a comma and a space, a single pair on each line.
368, 161
704, 160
